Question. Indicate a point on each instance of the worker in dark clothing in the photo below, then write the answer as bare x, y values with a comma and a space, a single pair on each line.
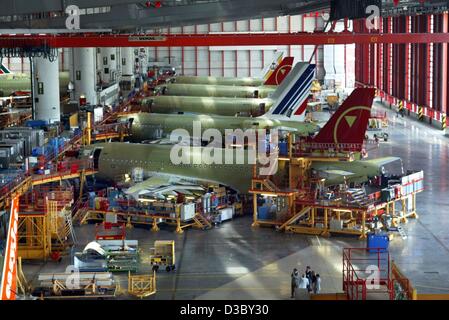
294, 283
309, 276
313, 282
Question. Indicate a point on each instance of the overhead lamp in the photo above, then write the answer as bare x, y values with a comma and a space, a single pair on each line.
269, 195
147, 200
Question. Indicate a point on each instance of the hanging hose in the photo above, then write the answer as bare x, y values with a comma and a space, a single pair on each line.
45, 52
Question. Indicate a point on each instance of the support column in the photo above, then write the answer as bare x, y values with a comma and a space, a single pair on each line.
46, 90
108, 65
84, 75
128, 61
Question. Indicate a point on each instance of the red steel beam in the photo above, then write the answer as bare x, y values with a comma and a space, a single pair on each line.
407, 63
205, 40
444, 67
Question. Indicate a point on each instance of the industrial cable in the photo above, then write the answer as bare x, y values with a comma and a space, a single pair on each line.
45, 52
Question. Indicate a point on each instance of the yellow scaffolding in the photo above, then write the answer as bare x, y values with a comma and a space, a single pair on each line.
41, 233
142, 286
304, 214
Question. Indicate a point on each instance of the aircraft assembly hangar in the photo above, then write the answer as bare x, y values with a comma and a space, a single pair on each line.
224, 150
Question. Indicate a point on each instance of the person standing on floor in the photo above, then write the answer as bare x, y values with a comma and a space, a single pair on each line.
295, 282
313, 282
304, 282
309, 277
317, 287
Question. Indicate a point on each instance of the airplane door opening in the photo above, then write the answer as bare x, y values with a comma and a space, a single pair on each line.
97, 153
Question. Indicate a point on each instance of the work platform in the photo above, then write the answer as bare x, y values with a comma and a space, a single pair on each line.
302, 207
84, 215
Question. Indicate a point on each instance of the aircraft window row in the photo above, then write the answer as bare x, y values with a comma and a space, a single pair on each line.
128, 161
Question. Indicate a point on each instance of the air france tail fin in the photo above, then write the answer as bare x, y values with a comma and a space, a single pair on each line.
281, 72
291, 96
268, 69
4, 70
350, 121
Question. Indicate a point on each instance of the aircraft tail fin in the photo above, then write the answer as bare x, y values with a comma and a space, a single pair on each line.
268, 69
4, 70
350, 121
291, 96
281, 72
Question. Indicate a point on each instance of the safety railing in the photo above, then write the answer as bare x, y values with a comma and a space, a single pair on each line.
328, 150
365, 271
68, 168
108, 129
53, 154
35, 201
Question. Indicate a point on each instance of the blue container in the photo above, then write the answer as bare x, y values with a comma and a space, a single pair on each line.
377, 241
92, 200
77, 132
263, 213
283, 148
36, 123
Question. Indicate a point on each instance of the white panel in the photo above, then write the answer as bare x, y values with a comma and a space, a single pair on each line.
202, 28
308, 51
350, 63
309, 24
256, 62
229, 70
189, 29
242, 25
203, 61
244, 48
228, 27
256, 25
283, 24
269, 24
176, 30
216, 67
189, 61
242, 64
215, 27
296, 22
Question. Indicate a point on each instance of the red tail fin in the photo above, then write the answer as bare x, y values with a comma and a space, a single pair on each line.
282, 70
349, 123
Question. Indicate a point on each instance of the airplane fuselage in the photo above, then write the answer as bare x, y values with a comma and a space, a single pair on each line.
224, 81
117, 159
207, 105
145, 125
199, 90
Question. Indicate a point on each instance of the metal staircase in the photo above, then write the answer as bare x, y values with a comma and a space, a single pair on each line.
201, 221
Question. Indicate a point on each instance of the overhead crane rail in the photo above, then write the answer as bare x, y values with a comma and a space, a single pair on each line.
240, 39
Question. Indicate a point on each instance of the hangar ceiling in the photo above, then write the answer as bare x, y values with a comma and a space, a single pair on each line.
133, 15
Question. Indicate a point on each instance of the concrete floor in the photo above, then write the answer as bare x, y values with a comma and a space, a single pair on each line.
236, 261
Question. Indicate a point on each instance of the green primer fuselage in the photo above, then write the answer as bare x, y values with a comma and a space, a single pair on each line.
144, 124
223, 81
207, 105
199, 90
118, 159
9, 85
